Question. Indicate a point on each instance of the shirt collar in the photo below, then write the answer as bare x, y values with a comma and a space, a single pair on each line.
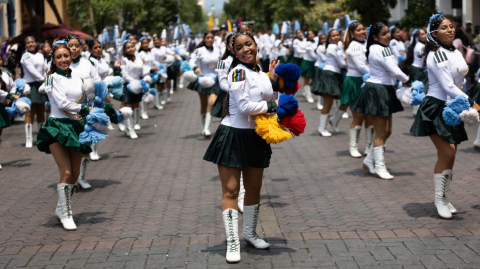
76, 60
450, 47
361, 42
66, 73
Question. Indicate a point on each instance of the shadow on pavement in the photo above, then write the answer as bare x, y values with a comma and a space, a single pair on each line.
96, 184
417, 210
17, 163
277, 247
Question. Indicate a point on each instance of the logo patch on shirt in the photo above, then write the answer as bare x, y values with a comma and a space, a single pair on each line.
238, 75
387, 52
440, 57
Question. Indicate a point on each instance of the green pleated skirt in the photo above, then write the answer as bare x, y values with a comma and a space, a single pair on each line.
474, 93
297, 61
429, 121
238, 148
418, 74
328, 82
4, 117
377, 100
351, 88
172, 71
282, 59
35, 96
129, 97
217, 108
63, 131
195, 86
307, 68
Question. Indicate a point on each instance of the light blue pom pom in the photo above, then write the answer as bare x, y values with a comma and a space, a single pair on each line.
451, 117
322, 65
145, 86
458, 104
153, 91
185, 66
20, 83
401, 59
119, 117
101, 93
366, 77
47, 105
155, 76
212, 75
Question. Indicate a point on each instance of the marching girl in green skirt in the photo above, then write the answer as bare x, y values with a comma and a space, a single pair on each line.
329, 83
207, 55
236, 148
378, 97
355, 48
281, 51
415, 61
308, 66
320, 64
60, 135
7, 95
34, 70
299, 47
446, 72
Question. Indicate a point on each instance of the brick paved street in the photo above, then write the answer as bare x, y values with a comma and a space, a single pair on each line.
156, 204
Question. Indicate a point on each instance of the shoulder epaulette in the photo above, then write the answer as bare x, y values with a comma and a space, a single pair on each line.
220, 65
49, 80
440, 57
387, 52
355, 47
238, 75
393, 43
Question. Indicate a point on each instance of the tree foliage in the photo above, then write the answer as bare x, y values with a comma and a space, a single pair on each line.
371, 11
136, 16
418, 12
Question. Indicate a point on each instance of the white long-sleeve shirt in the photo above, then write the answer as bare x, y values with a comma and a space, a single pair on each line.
84, 69
103, 68
299, 48
148, 61
11, 87
65, 94
131, 70
398, 48
223, 72
207, 59
34, 67
249, 92
321, 56
417, 51
268, 42
334, 59
357, 61
446, 72
310, 54
384, 66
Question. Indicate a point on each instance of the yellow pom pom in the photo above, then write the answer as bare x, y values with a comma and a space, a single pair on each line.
270, 130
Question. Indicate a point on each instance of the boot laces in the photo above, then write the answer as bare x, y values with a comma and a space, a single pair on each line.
67, 200
232, 247
254, 225
445, 181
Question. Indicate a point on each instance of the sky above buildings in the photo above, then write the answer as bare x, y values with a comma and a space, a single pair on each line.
218, 5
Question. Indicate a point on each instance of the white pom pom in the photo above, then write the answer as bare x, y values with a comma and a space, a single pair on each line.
100, 127
27, 89
147, 79
190, 76
470, 116
206, 82
126, 111
22, 107
148, 98
136, 87
404, 94
89, 88
108, 80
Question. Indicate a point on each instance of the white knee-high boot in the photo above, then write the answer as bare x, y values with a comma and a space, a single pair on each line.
380, 167
476, 144
129, 130
206, 127
307, 94
369, 162
441, 182
144, 110
241, 194
136, 119
323, 125
94, 154
369, 132
250, 219
320, 103
63, 211
28, 135
81, 177
448, 173
354, 136
335, 119
230, 221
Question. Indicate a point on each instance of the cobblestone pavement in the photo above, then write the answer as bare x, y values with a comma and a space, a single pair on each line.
156, 204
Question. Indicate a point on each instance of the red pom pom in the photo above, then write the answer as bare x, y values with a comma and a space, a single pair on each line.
295, 123
293, 91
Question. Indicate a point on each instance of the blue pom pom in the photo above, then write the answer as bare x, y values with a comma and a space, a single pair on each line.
97, 115
322, 65
47, 105
418, 86
287, 105
417, 98
12, 110
20, 83
185, 66
290, 73
25, 100
153, 91
401, 59
366, 77
119, 117
101, 91
451, 117
458, 104
145, 86
163, 67
116, 91
212, 75
155, 76
116, 82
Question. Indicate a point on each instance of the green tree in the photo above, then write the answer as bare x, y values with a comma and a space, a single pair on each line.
417, 14
371, 11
